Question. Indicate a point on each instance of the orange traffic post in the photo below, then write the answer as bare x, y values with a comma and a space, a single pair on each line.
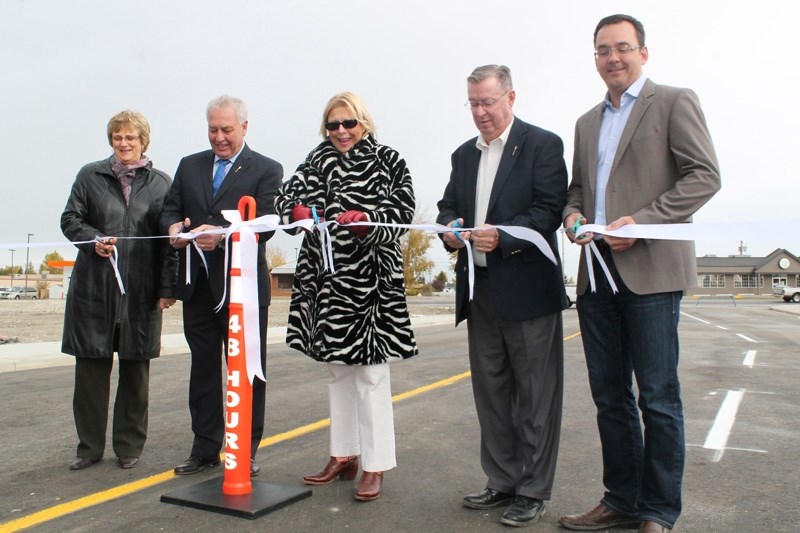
239, 392
239, 495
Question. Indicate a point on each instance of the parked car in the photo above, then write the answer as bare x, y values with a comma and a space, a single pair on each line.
789, 294
16, 293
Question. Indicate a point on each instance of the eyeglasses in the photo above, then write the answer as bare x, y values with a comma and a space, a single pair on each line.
348, 124
622, 50
487, 103
120, 138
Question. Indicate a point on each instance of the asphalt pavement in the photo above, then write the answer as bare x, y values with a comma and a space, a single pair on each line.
744, 482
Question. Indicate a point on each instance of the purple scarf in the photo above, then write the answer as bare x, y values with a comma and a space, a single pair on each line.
126, 173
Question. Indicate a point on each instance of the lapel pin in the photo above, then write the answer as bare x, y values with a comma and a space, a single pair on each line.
514, 151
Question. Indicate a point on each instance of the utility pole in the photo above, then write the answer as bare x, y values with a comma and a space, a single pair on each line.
27, 262
12, 266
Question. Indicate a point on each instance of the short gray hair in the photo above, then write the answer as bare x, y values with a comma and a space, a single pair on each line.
501, 72
238, 105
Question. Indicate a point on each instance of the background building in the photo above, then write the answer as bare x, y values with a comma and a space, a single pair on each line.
745, 275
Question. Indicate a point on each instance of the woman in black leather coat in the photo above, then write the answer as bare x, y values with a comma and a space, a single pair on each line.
120, 196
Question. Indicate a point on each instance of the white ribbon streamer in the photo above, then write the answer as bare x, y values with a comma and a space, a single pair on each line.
113, 258
248, 261
695, 231
326, 243
526, 234
588, 250
687, 231
188, 251
759, 230
248, 246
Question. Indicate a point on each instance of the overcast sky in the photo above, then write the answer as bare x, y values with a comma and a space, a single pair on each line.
67, 67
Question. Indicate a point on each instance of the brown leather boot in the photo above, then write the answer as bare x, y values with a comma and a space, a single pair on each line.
369, 488
346, 470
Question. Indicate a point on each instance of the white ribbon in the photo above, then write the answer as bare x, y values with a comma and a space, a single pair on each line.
248, 249
326, 243
696, 231
188, 251
588, 250
525, 234
114, 264
248, 267
687, 231
759, 230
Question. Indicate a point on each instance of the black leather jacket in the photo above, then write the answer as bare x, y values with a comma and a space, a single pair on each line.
148, 267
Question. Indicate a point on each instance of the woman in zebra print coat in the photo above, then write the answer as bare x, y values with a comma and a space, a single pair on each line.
356, 318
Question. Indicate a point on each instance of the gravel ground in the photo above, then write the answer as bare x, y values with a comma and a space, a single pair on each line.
43, 320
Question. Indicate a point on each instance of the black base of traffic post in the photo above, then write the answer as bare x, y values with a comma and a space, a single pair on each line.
263, 499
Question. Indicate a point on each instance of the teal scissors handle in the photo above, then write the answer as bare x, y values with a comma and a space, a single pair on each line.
575, 227
457, 224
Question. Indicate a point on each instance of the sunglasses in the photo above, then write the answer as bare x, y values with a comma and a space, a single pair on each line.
348, 124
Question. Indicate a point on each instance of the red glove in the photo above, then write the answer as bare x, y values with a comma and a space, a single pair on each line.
354, 216
301, 212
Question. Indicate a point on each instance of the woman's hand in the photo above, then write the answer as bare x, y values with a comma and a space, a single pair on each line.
354, 216
166, 303
301, 212
105, 247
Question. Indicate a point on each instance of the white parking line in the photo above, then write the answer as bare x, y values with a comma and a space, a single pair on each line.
723, 328
745, 337
694, 318
749, 358
717, 437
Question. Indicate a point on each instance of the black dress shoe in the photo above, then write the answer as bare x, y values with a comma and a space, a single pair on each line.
254, 468
193, 465
487, 499
523, 511
81, 462
127, 461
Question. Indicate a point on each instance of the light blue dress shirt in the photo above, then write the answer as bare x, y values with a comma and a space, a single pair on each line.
611, 127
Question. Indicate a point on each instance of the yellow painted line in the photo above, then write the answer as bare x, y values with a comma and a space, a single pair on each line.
57, 511
426, 388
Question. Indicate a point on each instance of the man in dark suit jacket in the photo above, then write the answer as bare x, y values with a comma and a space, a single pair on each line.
205, 184
512, 174
644, 156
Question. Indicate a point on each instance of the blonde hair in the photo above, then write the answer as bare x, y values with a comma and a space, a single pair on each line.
135, 120
355, 105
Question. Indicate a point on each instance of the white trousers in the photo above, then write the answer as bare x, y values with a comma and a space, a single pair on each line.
362, 420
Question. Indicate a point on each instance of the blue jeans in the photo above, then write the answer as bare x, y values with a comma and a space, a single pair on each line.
626, 335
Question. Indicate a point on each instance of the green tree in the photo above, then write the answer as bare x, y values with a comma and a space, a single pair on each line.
439, 282
6, 270
52, 256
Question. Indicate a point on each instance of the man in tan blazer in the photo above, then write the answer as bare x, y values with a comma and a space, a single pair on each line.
643, 156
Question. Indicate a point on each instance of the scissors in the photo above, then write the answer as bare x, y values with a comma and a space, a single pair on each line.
575, 227
457, 224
